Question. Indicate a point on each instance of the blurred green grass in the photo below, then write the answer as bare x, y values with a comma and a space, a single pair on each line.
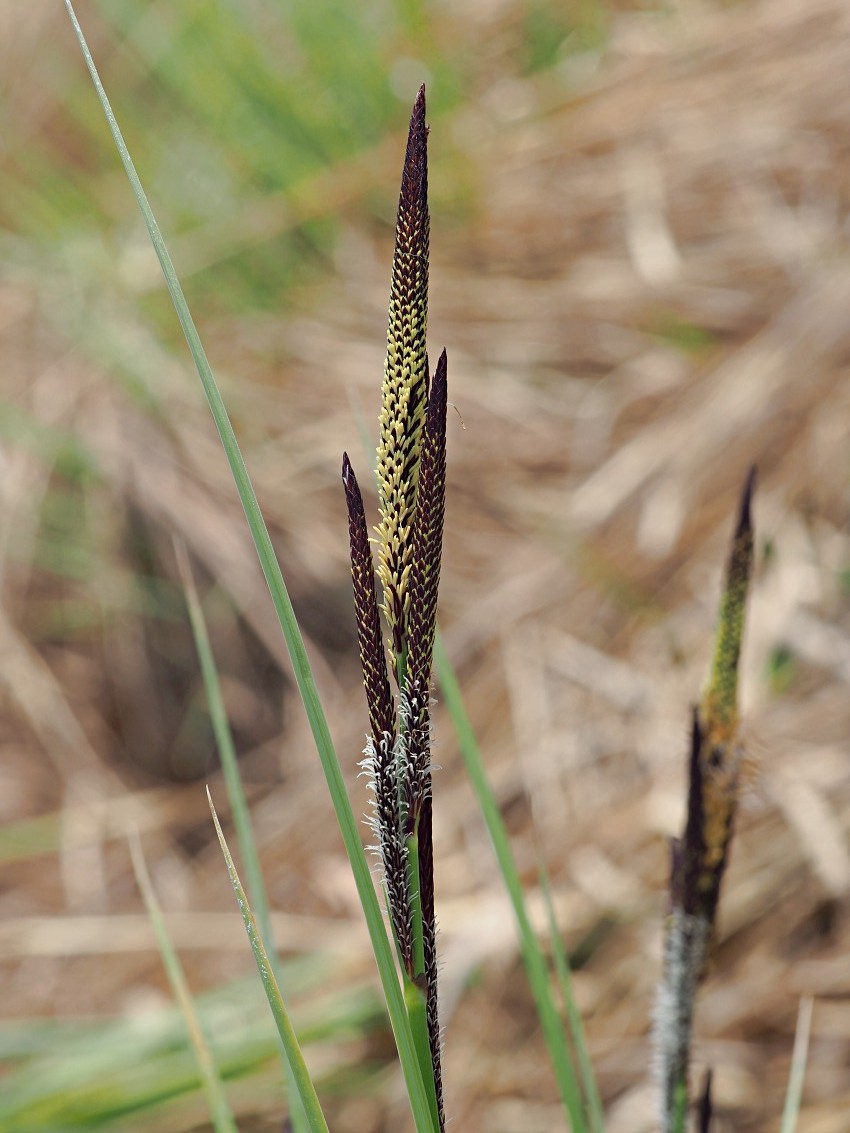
237, 112
88, 1075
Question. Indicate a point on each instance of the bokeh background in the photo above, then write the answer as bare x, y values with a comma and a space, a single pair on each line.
641, 271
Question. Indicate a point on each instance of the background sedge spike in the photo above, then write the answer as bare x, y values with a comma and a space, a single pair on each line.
405, 380
721, 752
721, 698
700, 857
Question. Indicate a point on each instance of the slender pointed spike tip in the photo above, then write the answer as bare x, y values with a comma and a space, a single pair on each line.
745, 521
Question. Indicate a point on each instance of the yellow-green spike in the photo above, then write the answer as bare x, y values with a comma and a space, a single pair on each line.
720, 702
405, 384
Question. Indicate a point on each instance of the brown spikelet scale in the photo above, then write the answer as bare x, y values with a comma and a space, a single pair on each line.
405, 378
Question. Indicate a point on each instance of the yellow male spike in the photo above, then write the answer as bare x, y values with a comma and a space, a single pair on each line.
405, 384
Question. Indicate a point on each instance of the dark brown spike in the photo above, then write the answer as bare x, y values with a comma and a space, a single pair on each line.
372, 656
691, 849
700, 857
414, 178
423, 588
424, 580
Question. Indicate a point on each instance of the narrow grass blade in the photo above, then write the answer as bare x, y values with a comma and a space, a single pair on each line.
236, 796
226, 748
303, 1081
592, 1101
799, 1058
286, 616
532, 954
220, 1114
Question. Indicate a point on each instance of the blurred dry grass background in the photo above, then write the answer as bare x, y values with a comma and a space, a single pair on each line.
641, 274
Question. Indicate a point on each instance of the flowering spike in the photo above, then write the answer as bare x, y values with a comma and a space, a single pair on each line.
411, 495
405, 379
699, 859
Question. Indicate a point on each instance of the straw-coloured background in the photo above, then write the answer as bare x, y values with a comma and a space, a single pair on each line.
640, 271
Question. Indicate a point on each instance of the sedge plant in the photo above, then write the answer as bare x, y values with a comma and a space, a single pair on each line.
411, 477
398, 642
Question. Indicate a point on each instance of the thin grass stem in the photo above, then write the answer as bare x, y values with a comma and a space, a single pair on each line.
592, 1101
799, 1059
236, 797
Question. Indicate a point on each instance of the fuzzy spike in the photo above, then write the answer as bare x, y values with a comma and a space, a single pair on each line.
381, 764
